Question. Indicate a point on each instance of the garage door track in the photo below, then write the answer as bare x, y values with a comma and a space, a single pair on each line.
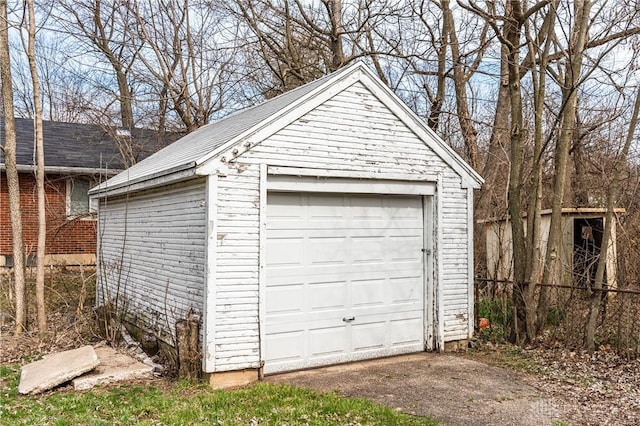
449, 388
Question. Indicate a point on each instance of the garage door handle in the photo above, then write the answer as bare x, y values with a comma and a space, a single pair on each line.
345, 319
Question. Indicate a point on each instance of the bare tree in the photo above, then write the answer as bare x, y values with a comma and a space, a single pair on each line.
188, 69
572, 79
106, 28
612, 196
461, 77
39, 149
300, 41
9, 151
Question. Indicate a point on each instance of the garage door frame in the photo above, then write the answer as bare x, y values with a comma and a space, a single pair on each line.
283, 179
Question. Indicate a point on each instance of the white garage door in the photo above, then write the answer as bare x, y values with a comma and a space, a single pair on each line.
344, 278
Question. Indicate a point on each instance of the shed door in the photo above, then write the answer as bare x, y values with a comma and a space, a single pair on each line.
344, 278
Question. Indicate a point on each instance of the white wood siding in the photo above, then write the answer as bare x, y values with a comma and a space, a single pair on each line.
153, 254
353, 132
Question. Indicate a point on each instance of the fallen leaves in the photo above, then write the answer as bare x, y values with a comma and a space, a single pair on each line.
598, 389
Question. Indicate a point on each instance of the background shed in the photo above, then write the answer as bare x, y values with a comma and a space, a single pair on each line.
326, 225
582, 230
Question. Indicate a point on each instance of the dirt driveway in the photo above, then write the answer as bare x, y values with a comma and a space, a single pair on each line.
454, 390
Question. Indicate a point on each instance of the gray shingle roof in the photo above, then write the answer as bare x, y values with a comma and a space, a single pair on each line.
74, 145
187, 150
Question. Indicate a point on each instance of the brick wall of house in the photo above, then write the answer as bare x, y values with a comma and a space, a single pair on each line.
64, 235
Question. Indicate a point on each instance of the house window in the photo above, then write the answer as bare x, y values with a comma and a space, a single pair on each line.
78, 201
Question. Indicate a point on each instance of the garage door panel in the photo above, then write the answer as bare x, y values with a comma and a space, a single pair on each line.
368, 207
403, 248
324, 296
385, 232
286, 346
368, 249
279, 208
368, 292
285, 252
326, 204
306, 321
327, 250
369, 336
327, 341
403, 290
360, 259
404, 207
285, 299
385, 312
400, 331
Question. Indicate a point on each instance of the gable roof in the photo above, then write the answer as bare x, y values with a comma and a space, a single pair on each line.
190, 154
75, 147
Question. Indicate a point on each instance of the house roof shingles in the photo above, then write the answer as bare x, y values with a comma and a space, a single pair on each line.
74, 145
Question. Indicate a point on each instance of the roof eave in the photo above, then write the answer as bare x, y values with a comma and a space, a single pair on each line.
175, 174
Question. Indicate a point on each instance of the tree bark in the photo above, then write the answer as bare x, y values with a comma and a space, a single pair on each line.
101, 41
595, 299
13, 183
512, 35
469, 133
436, 105
561, 153
335, 14
187, 338
39, 145
540, 54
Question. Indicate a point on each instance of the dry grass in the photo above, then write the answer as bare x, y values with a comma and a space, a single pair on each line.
70, 299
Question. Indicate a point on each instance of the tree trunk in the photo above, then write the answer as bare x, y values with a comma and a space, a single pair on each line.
491, 198
534, 237
13, 183
125, 98
612, 194
335, 10
436, 105
102, 41
512, 32
469, 133
187, 338
561, 157
39, 142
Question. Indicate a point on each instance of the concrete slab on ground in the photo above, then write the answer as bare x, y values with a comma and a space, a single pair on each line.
114, 367
54, 369
452, 389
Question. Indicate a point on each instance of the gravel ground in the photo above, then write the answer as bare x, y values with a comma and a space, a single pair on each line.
453, 389
494, 384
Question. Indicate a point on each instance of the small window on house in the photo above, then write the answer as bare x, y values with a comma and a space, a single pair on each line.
78, 201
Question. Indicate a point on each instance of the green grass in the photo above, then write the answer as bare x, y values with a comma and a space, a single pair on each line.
190, 404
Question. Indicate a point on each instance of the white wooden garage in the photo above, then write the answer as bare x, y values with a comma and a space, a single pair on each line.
326, 225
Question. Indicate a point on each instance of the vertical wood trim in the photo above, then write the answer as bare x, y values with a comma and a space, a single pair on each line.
427, 212
99, 275
437, 282
209, 334
612, 254
262, 279
470, 263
